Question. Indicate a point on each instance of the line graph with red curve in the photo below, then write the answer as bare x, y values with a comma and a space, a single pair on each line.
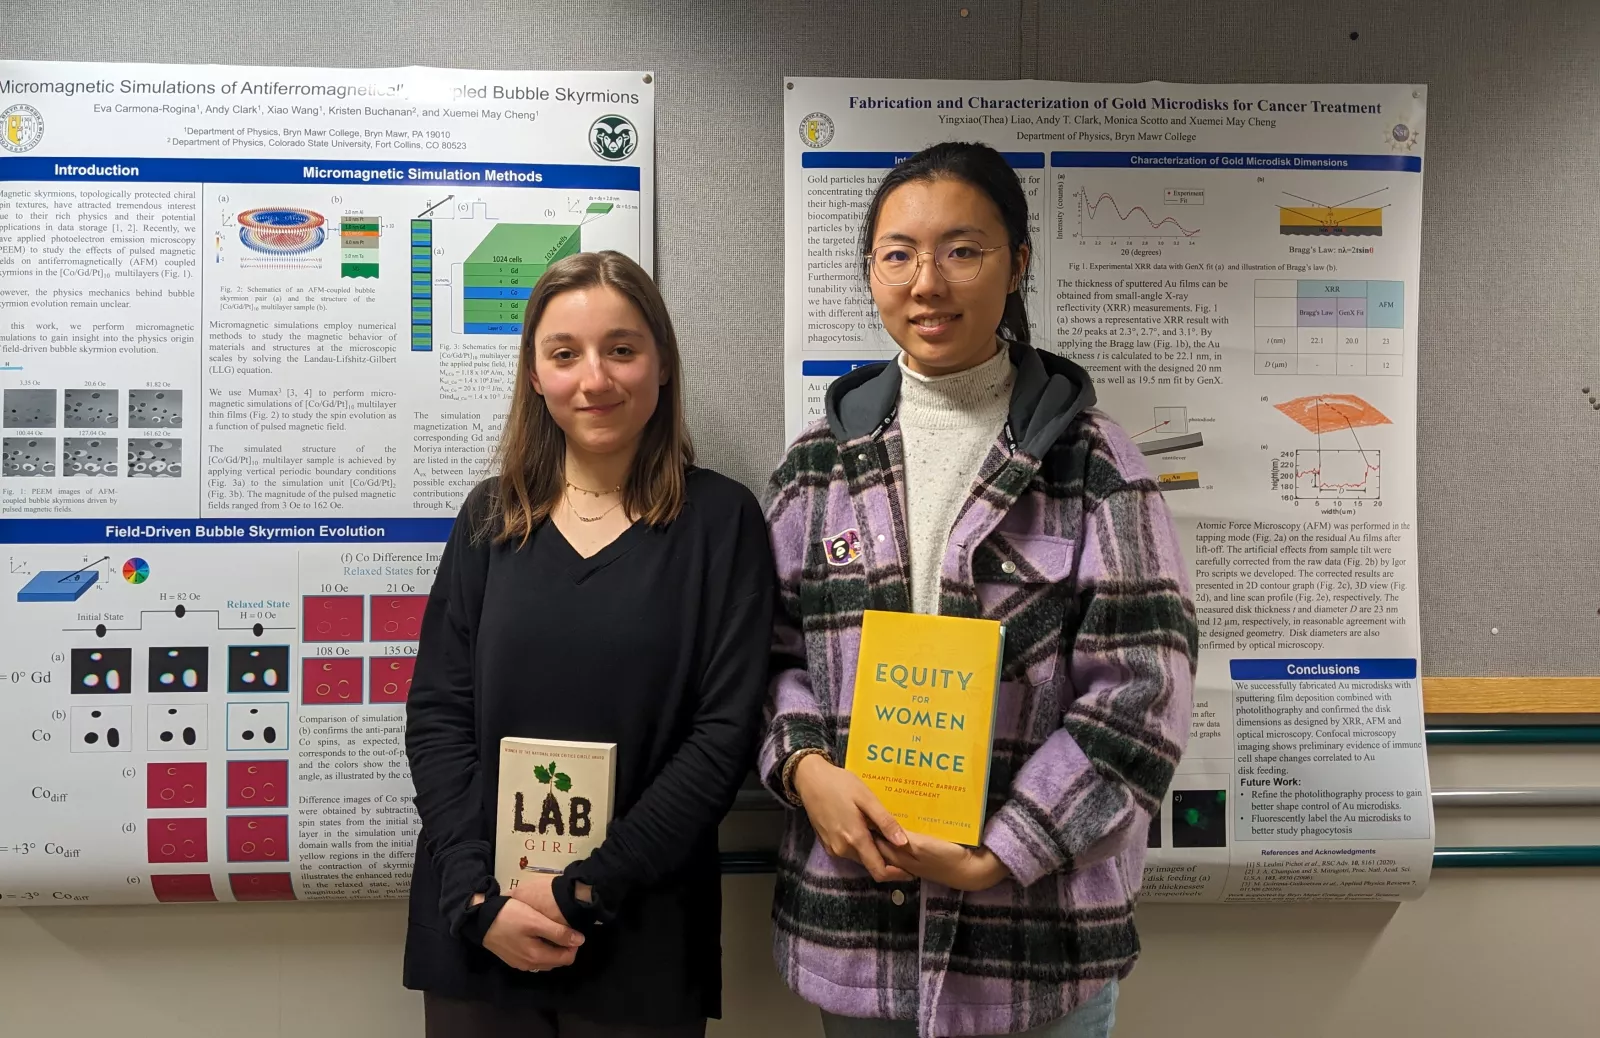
1340, 472
1132, 221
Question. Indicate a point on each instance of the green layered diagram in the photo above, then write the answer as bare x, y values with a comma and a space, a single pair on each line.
500, 274
358, 247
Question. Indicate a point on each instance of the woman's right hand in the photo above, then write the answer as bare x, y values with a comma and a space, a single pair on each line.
844, 813
527, 940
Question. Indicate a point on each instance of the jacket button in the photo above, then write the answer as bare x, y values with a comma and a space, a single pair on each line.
898, 897
1008, 567
861, 458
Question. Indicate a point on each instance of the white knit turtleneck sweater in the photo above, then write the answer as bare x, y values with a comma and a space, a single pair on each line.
948, 423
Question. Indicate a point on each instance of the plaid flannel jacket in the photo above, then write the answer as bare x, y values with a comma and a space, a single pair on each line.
1066, 539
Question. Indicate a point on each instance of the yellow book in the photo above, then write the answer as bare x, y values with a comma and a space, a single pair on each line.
922, 720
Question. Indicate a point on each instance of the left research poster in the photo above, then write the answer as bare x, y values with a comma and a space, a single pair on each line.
258, 329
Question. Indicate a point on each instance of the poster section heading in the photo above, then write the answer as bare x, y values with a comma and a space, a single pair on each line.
285, 171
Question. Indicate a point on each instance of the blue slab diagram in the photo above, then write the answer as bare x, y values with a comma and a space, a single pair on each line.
58, 585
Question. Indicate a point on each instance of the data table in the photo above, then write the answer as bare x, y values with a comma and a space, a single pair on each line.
1309, 327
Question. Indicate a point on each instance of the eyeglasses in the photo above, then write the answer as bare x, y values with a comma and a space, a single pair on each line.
956, 261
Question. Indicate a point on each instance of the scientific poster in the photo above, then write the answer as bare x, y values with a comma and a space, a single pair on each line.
257, 335
1237, 268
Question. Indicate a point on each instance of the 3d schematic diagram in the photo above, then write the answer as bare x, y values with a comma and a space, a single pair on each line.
54, 585
499, 275
60, 585
1332, 412
281, 230
1173, 436
1172, 429
501, 272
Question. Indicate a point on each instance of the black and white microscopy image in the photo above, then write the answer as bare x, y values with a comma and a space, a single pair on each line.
30, 409
27, 456
155, 458
155, 409
89, 456
90, 409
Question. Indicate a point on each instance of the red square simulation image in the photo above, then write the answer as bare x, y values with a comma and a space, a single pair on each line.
175, 840
397, 618
258, 837
261, 886
332, 618
329, 681
258, 783
390, 678
176, 785
177, 890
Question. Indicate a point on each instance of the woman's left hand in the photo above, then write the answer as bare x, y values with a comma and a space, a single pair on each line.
534, 891
957, 867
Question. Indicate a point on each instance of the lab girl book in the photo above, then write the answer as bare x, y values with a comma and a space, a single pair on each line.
555, 801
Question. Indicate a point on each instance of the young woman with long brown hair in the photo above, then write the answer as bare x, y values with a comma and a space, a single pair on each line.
600, 588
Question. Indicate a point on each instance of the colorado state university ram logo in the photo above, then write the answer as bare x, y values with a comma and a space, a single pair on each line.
613, 138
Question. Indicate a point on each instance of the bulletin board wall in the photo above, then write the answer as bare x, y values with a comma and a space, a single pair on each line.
1510, 296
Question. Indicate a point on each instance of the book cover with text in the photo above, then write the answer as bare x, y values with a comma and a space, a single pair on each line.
922, 720
555, 802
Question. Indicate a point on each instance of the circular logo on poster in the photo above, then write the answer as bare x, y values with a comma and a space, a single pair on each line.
816, 130
613, 138
1401, 137
21, 128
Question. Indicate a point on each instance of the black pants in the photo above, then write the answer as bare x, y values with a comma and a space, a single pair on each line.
455, 1018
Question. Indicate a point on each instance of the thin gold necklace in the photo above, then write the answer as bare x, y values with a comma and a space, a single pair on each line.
592, 493
589, 518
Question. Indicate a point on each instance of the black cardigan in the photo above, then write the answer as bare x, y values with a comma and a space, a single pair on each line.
658, 643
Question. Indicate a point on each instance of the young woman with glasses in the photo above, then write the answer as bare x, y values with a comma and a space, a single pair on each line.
601, 588
972, 477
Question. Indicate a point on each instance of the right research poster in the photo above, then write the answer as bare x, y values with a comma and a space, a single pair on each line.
1237, 267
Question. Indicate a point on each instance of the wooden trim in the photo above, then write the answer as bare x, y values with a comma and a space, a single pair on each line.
1511, 695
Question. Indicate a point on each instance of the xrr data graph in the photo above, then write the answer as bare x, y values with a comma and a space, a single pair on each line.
1103, 216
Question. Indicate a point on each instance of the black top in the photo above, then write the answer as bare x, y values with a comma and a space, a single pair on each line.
659, 643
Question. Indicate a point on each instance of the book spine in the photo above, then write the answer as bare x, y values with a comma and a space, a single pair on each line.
994, 712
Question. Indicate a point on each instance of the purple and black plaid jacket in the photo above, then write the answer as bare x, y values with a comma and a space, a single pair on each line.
1066, 539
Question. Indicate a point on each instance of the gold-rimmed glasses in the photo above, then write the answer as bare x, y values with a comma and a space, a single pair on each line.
957, 261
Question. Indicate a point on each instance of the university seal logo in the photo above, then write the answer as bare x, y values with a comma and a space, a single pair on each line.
21, 128
816, 130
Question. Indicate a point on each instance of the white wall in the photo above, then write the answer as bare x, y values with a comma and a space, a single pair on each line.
1481, 955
